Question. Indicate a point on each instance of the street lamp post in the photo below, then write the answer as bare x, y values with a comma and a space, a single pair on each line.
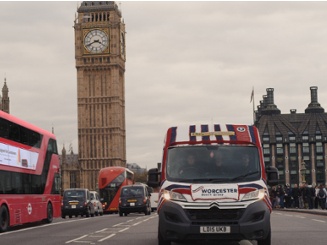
302, 171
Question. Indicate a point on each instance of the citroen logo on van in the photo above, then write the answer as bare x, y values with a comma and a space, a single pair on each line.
214, 205
240, 129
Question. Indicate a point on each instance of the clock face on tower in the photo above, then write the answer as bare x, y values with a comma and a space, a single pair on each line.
96, 41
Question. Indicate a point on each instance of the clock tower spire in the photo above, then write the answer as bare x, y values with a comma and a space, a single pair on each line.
100, 63
4, 103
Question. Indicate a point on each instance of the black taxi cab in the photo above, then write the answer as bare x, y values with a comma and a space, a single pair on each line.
134, 199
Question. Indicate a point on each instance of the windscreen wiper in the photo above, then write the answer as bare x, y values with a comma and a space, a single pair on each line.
211, 180
244, 175
220, 180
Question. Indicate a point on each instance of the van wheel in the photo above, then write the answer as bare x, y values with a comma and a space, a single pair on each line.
4, 218
161, 240
120, 214
266, 241
49, 218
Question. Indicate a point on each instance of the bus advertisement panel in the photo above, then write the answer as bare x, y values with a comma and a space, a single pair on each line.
17, 157
111, 179
29, 173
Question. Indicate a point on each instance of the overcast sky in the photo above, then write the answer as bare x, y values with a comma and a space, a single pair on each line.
187, 62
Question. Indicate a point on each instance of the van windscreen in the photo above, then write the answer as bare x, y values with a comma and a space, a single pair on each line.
213, 163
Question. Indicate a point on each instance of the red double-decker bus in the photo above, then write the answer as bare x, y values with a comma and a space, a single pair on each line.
111, 179
29, 173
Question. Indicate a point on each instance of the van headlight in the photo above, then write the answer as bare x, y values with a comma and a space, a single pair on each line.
258, 194
171, 195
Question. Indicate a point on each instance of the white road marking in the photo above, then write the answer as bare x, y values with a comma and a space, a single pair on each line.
299, 216
101, 230
37, 227
105, 238
123, 229
117, 224
321, 221
76, 239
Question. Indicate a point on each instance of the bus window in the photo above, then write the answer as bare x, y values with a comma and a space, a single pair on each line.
52, 146
56, 185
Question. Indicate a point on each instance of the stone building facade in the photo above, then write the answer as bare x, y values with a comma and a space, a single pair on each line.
295, 143
100, 62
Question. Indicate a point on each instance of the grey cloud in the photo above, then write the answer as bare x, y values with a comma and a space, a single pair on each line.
187, 62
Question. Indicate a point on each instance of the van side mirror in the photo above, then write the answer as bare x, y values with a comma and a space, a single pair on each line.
149, 189
153, 178
272, 175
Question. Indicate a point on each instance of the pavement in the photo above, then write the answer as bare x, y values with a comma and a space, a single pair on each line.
303, 210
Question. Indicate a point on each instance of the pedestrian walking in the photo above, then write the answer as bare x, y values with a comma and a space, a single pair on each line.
281, 196
273, 197
301, 199
288, 196
295, 195
308, 194
316, 201
322, 194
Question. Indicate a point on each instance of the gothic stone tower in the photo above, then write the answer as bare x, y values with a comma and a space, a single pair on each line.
4, 100
100, 64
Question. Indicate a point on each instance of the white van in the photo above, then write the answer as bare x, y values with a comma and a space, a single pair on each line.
213, 185
154, 201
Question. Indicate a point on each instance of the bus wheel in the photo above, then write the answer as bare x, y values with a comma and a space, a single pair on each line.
4, 218
49, 218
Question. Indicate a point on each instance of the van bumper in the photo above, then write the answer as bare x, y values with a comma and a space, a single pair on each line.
177, 224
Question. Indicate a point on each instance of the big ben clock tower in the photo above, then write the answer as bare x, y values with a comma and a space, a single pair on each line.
100, 63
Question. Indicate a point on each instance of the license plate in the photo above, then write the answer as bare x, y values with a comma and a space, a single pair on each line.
73, 206
132, 204
214, 229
